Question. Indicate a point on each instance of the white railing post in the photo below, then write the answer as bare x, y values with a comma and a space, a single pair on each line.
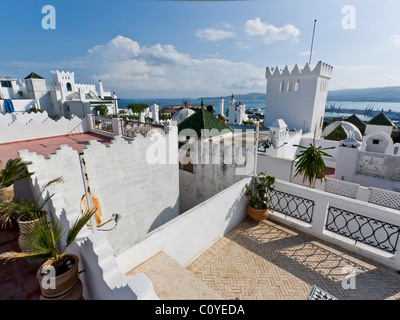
116, 126
319, 216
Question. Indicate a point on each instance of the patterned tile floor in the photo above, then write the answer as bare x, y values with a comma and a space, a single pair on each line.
270, 261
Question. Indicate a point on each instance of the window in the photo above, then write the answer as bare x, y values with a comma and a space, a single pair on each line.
282, 88
69, 87
6, 83
289, 86
375, 141
297, 86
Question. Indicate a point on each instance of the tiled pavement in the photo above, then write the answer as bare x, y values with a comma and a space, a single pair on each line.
270, 261
17, 278
171, 281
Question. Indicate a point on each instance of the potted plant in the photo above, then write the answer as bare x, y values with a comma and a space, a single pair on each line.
258, 196
25, 211
58, 277
14, 170
310, 163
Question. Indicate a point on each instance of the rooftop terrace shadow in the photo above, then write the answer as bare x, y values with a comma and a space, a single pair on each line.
316, 263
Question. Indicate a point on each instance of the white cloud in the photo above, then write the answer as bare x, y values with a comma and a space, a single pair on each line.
269, 33
242, 46
162, 71
395, 40
213, 34
305, 53
364, 76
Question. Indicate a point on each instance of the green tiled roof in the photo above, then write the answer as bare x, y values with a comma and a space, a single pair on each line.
203, 119
33, 76
381, 120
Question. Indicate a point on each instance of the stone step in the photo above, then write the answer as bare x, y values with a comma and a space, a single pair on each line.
172, 281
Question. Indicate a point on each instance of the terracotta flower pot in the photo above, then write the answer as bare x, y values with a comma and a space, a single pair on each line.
7, 194
257, 214
67, 286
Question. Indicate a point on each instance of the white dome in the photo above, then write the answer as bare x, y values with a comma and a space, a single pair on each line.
182, 115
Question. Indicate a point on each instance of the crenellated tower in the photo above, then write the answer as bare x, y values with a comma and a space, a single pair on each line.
297, 96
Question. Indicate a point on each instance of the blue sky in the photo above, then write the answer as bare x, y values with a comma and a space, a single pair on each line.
174, 49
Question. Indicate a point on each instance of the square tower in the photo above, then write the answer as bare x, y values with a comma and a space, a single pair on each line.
298, 96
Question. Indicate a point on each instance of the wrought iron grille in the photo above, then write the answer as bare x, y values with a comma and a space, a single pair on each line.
292, 205
370, 231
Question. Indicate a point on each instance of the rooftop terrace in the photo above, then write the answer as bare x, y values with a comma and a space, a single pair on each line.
47, 146
254, 261
269, 261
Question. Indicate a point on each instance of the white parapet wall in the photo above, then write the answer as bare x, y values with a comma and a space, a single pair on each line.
361, 227
20, 105
190, 234
124, 182
29, 126
101, 276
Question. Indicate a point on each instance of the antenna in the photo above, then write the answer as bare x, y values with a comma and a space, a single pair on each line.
312, 42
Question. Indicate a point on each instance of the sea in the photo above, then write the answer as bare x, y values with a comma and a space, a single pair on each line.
365, 110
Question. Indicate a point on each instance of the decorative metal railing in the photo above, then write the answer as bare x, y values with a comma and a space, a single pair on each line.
370, 231
292, 205
129, 128
102, 123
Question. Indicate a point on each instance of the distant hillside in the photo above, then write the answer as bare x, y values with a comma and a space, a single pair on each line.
384, 94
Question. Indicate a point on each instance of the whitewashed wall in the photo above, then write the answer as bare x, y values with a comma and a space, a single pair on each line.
212, 175
20, 105
278, 167
189, 235
144, 195
28, 126
102, 278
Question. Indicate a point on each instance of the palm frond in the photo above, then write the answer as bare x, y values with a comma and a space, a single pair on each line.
9, 212
42, 237
48, 185
78, 225
18, 255
310, 163
14, 170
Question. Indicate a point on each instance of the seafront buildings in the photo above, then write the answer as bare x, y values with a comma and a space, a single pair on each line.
175, 226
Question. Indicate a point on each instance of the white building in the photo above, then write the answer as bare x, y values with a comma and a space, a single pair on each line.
237, 112
297, 96
61, 97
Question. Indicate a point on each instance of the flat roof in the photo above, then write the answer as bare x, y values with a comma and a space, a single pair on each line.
47, 146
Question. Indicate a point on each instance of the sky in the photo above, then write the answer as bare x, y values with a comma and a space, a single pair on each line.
174, 49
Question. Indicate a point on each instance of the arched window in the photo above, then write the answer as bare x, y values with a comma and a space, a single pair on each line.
289, 86
69, 87
282, 88
297, 86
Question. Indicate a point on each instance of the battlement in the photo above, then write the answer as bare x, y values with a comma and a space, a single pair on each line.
62, 73
321, 69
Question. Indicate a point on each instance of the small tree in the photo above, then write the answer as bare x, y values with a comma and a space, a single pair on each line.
102, 110
310, 163
137, 107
